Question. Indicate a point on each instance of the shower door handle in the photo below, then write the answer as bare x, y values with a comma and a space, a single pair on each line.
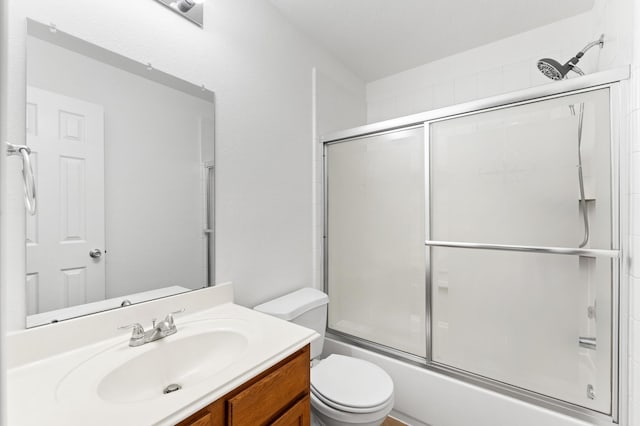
526, 249
587, 342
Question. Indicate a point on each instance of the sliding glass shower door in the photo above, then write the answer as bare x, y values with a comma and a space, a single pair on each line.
375, 250
516, 283
521, 277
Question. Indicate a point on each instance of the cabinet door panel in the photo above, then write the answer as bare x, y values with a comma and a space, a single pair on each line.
298, 415
263, 400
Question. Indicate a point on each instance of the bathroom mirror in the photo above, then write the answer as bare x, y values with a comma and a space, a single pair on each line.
123, 156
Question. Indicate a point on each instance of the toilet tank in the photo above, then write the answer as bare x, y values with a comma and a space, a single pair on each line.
306, 307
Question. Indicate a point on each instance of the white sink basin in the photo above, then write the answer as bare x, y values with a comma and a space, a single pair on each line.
181, 361
122, 374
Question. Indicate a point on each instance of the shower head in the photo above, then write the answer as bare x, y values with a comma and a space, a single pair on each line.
553, 69
557, 71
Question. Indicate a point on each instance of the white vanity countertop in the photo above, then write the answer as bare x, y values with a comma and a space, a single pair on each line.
44, 391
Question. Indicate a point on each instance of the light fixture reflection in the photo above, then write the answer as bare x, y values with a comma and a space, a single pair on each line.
185, 5
192, 10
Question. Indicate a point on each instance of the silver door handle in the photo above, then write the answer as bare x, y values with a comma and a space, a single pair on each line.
95, 254
587, 342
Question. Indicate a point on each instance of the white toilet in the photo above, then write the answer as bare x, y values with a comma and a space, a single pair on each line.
344, 390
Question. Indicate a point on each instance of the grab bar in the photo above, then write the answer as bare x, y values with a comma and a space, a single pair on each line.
27, 175
527, 249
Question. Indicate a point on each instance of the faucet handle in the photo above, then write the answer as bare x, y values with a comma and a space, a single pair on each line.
169, 317
138, 330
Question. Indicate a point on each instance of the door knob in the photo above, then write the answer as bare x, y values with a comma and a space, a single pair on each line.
95, 253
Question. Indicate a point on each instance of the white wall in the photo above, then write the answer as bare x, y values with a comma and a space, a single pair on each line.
505, 65
152, 177
260, 67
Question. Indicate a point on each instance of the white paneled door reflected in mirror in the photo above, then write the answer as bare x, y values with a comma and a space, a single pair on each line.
123, 159
522, 253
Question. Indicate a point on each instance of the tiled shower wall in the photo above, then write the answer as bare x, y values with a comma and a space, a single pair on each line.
506, 65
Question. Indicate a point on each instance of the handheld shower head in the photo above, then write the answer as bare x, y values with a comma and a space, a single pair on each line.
556, 71
553, 69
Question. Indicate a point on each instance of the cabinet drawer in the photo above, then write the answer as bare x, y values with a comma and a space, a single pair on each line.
270, 396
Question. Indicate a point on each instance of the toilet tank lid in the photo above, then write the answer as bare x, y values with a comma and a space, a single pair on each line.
294, 304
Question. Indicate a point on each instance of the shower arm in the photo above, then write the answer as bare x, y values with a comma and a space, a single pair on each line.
599, 41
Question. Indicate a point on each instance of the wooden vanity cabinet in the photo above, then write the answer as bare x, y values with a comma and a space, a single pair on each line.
279, 397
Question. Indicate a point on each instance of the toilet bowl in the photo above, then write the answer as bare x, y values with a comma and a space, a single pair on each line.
344, 390
326, 416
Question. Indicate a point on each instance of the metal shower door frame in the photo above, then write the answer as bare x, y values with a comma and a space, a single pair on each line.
615, 254
613, 80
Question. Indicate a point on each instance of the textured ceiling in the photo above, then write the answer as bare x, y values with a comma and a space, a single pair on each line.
376, 38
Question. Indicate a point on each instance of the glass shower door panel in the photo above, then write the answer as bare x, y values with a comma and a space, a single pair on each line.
517, 317
375, 247
511, 177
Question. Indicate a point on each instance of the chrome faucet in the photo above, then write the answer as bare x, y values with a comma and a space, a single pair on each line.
158, 331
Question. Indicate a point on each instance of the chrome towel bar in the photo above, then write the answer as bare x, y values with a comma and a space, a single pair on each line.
27, 175
527, 249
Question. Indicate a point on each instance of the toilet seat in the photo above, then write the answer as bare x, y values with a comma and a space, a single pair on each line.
344, 408
351, 385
